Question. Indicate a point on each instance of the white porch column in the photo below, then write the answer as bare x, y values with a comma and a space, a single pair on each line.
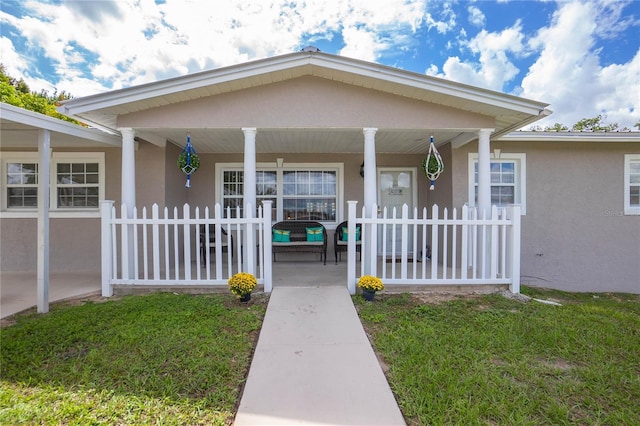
128, 169
128, 185
484, 197
249, 193
44, 166
484, 172
250, 168
370, 195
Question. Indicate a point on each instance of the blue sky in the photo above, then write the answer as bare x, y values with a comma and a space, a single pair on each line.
582, 57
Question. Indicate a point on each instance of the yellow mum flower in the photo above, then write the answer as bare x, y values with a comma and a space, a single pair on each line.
242, 283
371, 283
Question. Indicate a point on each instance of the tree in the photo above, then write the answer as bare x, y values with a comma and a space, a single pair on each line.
556, 128
594, 124
16, 92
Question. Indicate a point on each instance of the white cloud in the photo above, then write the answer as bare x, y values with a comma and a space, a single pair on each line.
448, 21
476, 17
115, 44
493, 69
360, 44
569, 76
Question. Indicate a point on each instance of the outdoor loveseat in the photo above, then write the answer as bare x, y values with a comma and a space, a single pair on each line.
299, 236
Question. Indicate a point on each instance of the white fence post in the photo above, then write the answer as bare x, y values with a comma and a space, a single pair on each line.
249, 251
513, 213
266, 249
351, 247
106, 209
404, 235
493, 269
434, 241
124, 238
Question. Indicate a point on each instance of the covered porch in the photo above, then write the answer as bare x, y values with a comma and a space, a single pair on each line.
290, 116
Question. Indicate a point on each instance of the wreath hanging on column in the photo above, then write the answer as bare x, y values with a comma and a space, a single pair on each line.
432, 165
188, 160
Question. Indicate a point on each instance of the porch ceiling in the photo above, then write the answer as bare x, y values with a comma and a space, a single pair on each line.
305, 140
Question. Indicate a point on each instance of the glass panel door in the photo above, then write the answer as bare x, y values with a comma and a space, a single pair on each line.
396, 188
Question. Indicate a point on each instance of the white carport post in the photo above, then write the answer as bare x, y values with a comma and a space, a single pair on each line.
249, 194
370, 197
484, 195
44, 197
128, 187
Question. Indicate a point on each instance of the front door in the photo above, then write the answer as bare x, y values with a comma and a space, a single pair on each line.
396, 187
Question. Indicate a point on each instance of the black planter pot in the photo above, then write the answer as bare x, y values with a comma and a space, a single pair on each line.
368, 295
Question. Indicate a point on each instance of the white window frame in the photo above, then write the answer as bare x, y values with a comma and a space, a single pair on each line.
56, 157
520, 186
628, 208
281, 167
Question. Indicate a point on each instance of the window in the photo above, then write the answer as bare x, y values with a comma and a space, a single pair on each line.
77, 181
22, 185
298, 192
78, 185
309, 195
507, 180
233, 189
632, 184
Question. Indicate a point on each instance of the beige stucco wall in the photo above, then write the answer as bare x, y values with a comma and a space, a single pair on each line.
306, 102
75, 244
575, 235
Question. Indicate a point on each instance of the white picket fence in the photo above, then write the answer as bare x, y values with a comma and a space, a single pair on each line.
165, 248
465, 249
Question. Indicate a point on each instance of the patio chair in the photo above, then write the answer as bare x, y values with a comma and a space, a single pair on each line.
211, 244
340, 239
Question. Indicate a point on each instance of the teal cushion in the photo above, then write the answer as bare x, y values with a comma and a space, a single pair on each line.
281, 236
315, 234
345, 233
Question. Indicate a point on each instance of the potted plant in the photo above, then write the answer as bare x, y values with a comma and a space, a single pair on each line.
242, 284
193, 165
369, 285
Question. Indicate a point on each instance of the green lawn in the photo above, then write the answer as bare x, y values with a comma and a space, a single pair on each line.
179, 359
490, 360
158, 359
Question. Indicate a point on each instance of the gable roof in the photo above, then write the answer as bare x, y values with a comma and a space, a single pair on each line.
510, 112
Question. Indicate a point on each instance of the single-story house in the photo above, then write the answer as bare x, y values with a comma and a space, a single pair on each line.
311, 131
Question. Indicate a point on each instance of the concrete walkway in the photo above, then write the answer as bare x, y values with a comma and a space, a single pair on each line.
314, 365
